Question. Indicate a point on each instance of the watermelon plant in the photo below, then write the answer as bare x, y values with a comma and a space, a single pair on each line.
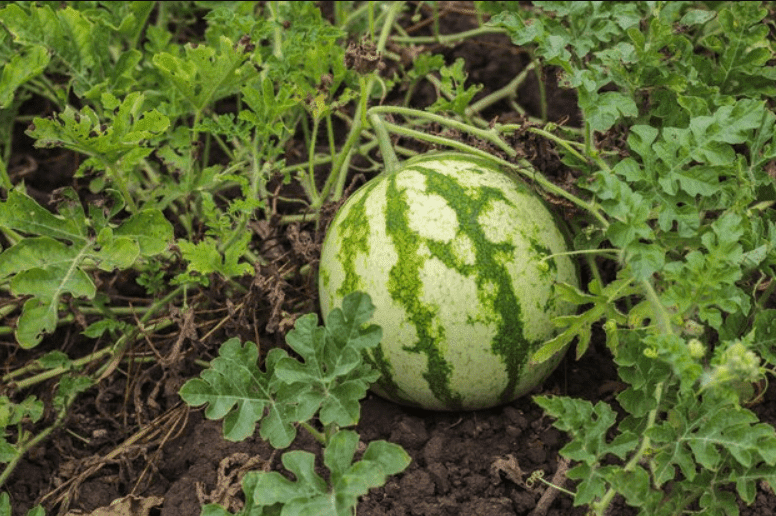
198, 132
327, 385
462, 262
685, 207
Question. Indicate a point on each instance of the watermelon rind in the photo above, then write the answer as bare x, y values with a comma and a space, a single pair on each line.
452, 252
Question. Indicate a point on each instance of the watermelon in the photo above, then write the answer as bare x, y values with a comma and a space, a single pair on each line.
451, 250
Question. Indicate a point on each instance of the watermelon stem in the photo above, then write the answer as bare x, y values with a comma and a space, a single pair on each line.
510, 90
522, 166
662, 317
339, 168
386, 147
616, 251
318, 436
489, 135
309, 185
602, 505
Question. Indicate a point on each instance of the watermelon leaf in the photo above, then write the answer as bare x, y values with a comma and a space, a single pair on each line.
239, 392
603, 306
310, 494
330, 378
333, 368
58, 256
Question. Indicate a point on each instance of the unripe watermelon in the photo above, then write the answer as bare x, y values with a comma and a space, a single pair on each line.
450, 251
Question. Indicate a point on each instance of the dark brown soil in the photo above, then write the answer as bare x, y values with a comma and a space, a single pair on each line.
132, 435
467, 463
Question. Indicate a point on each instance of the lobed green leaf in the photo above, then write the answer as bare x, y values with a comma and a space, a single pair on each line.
330, 379
237, 391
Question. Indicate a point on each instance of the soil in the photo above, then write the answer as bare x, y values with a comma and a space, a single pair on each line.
131, 437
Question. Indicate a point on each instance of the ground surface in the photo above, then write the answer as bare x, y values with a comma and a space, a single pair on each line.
132, 435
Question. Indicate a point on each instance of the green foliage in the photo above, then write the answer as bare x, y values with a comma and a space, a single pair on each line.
23, 415
204, 74
329, 381
175, 125
67, 35
12, 414
580, 325
62, 252
601, 44
5, 507
686, 213
701, 444
204, 259
184, 115
270, 493
568, 39
19, 69
112, 140
142, 152
455, 96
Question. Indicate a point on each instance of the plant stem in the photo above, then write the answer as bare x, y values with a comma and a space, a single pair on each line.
766, 294
447, 39
523, 167
318, 436
277, 40
75, 364
311, 189
354, 15
661, 315
560, 141
113, 350
338, 170
114, 310
601, 506
371, 16
5, 179
384, 141
489, 135
520, 110
542, 89
588, 139
330, 135
510, 90
26, 446
116, 175
664, 323
584, 251
303, 217
435, 18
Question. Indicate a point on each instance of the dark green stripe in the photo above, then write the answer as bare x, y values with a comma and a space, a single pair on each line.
405, 286
353, 239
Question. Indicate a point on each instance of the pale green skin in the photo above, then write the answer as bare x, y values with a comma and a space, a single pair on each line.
469, 302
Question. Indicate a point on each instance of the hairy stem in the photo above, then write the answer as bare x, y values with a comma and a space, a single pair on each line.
115, 350
602, 505
311, 189
489, 135
447, 39
38, 438
339, 168
384, 141
318, 436
523, 167
508, 91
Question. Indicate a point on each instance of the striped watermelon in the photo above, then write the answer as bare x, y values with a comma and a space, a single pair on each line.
449, 250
